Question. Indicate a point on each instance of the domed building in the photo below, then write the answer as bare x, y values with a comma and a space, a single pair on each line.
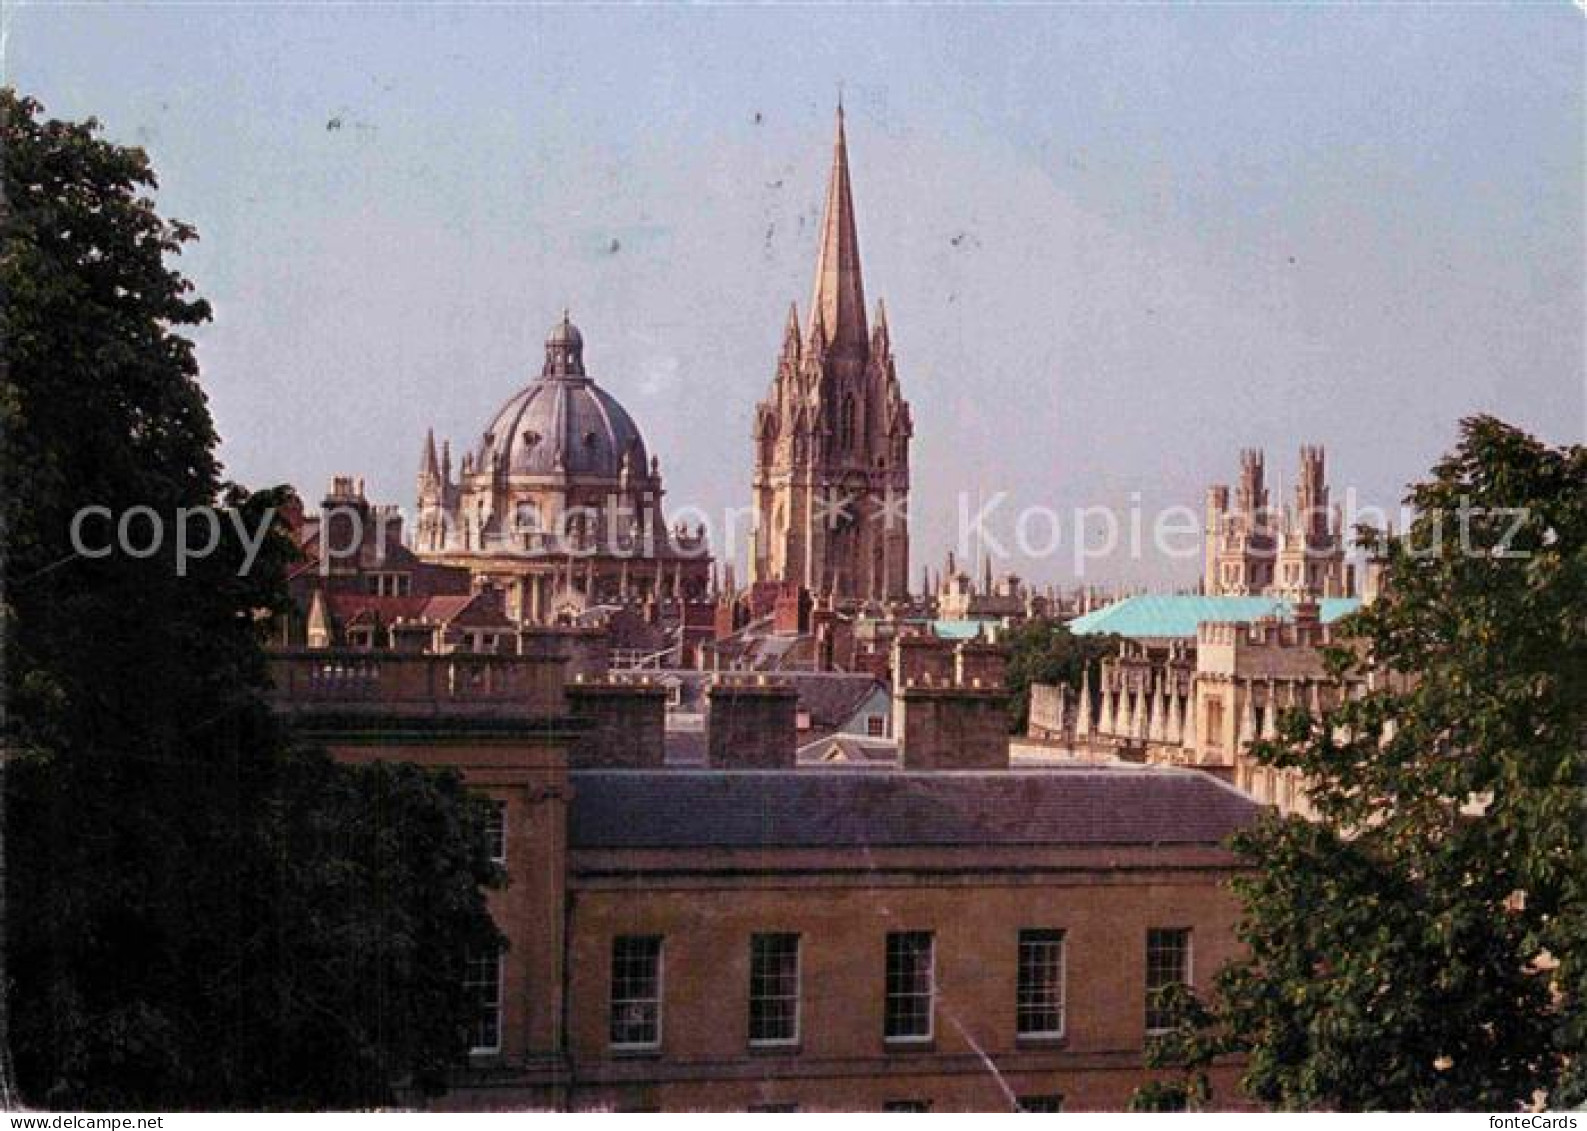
559, 503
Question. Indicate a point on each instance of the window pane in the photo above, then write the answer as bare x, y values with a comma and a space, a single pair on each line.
496, 831
636, 991
909, 985
1052, 1103
482, 981
774, 988
1039, 996
1167, 964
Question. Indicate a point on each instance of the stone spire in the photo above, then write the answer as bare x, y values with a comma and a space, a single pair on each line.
838, 305
429, 467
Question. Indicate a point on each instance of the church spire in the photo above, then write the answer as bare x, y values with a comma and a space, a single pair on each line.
429, 468
839, 300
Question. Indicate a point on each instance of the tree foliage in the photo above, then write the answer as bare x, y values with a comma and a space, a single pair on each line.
1422, 946
198, 915
1045, 651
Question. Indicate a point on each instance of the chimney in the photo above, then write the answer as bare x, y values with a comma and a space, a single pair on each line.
344, 524
922, 659
978, 663
624, 725
751, 725
953, 728
791, 613
1308, 621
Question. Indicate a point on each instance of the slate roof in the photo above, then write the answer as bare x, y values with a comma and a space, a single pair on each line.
812, 808
848, 749
831, 698
1149, 615
351, 608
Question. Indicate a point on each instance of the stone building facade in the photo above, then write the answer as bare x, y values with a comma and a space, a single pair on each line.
559, 504
1203, 700
831, 468
1256, 548
755, 934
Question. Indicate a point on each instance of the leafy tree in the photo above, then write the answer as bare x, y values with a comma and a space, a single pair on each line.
1422, 946
197, 916
1045, 651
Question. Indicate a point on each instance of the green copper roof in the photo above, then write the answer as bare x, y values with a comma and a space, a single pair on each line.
1148, 615
961, 629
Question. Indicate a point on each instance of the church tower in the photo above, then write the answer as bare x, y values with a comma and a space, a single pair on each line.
832, 436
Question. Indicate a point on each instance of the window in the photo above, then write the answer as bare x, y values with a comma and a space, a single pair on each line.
1214, 722
1167, 964
482, 981
773, 989
909, 986
1044, 1104
636, 992
1039, 997
496, 832
388, 584
907, 1105
875, 726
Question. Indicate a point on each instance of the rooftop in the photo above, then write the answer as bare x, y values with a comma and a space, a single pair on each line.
1170, 616
815, 808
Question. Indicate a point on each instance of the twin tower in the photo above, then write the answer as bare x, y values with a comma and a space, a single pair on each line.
831, 484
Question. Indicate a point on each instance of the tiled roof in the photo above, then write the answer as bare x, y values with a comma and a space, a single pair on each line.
1178, 615
812, 808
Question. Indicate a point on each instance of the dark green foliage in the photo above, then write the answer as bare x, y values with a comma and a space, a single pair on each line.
1045, 651
195, 915
1430, 957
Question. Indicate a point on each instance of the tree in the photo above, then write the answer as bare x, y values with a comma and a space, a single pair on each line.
183, 926
1422, 946
1045, 651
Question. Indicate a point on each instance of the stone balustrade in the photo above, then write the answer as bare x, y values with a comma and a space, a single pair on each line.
455, 684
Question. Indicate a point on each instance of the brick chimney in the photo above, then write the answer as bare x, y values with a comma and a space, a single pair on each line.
750, 724
791, 613
922, 659
977, 663
344, 520
952, 728
950, 705
625, 724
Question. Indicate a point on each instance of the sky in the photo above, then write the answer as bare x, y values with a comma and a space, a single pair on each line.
1117, 244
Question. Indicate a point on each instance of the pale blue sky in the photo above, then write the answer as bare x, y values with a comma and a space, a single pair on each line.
1116, 243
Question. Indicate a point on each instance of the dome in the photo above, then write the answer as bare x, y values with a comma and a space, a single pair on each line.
565, 333
563, 423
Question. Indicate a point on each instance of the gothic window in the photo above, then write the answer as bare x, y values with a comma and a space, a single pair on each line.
527, 516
